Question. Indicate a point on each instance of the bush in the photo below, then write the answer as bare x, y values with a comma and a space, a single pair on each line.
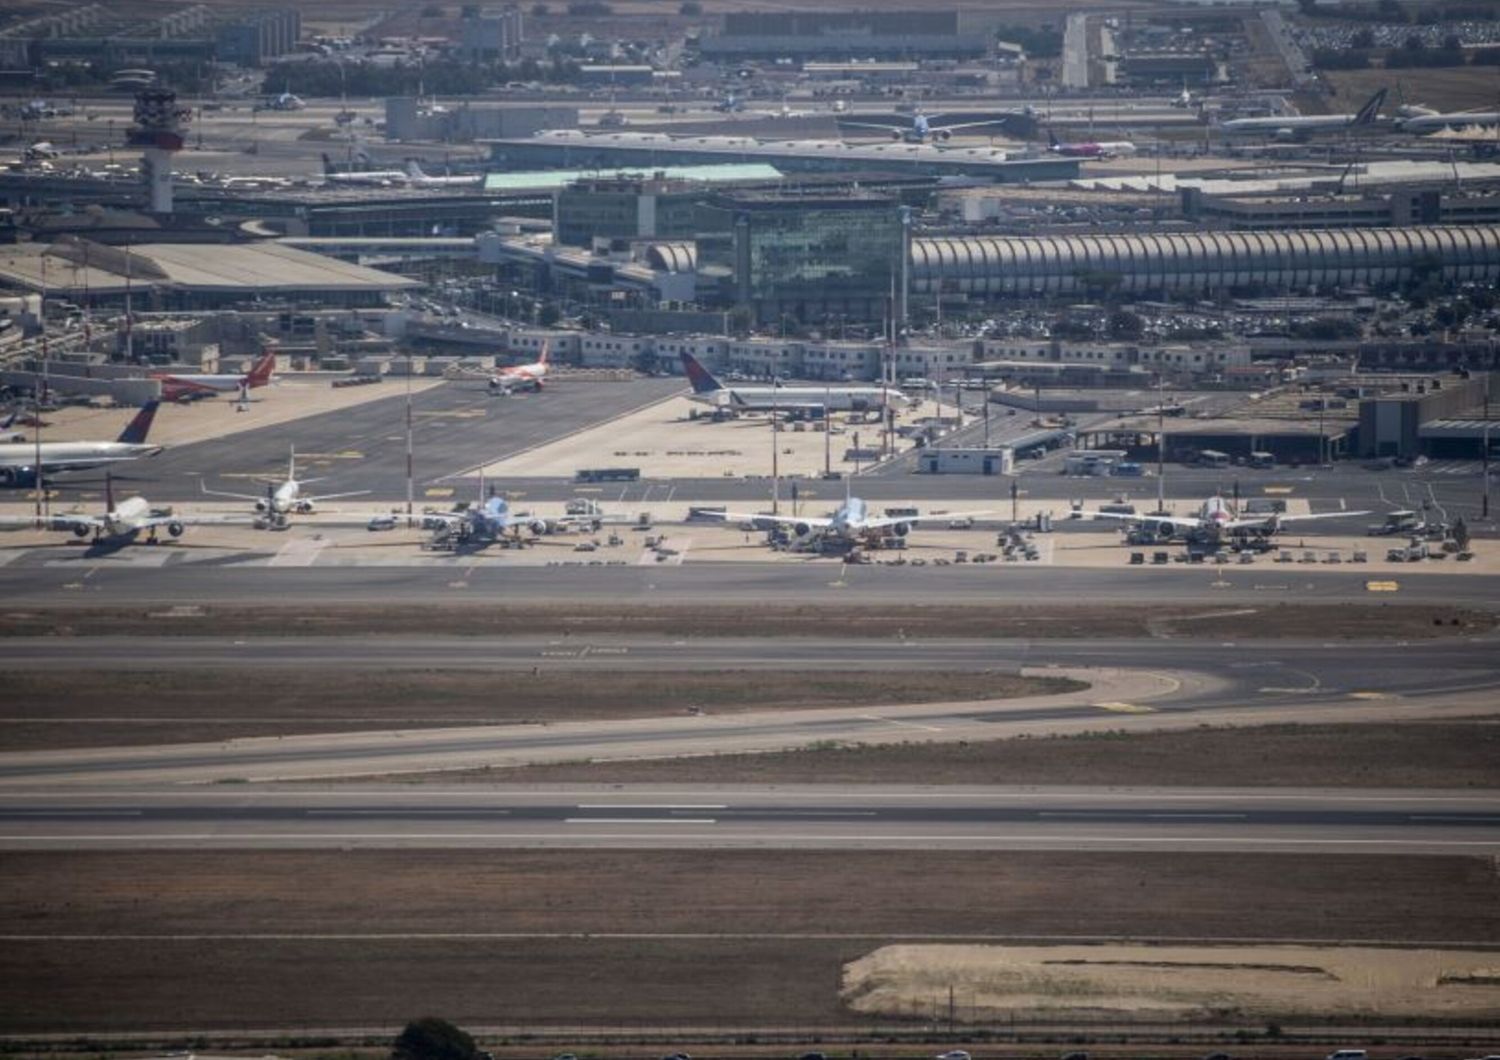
430, 1038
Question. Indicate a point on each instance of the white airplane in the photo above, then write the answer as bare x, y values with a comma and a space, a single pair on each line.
922, 128
1215, 521
1432, 121
383, 178
121, 523
522, 376
850, 523
481, 524
418, 179
1297, 128
282, 499
708, 390
22, 463
284, 101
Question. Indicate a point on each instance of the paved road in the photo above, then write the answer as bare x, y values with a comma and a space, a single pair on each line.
717, 817
188, 578
456, 427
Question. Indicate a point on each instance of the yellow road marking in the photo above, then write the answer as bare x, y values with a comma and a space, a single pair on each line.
1383, 587
438, 491
1276, 489
1368, 695
1126, 708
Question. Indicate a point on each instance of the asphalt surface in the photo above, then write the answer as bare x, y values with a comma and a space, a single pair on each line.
1134, 684
180, 575
893, 818
455, 428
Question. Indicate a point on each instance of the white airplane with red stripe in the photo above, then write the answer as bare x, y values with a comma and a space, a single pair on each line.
522, 376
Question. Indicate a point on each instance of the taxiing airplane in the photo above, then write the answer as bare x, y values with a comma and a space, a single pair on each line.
1216, 521
418, 179
22, 463
284, 101
922, 128
176, 387
383, 178
521, 376
841, 398
1284, 128
283, 499
1103, 149
849, 524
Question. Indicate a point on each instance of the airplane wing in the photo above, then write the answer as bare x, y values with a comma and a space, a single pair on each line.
234, 496
335, 496
1180, 522
1276, 519
765, 517
885, 127
881, 521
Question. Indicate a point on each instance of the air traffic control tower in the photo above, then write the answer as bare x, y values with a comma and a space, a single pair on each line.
158, 131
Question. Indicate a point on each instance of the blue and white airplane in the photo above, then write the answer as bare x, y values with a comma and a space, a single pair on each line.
842, 397
482, 524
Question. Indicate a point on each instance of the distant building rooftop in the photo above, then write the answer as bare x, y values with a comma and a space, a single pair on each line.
707, 174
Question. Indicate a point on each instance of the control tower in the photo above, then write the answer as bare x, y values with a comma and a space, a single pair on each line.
158, 131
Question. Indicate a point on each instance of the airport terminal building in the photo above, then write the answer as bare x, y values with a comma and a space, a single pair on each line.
1006, 266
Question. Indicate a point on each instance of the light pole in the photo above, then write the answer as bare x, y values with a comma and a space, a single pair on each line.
1161, 442
1484, 508
409, 480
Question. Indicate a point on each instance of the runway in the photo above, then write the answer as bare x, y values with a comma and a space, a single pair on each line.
798, 818
1133, 685
176, 576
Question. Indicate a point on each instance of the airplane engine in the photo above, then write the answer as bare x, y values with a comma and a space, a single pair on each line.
901, 529
538, 527
305, 507
1163, 530
175, 528
897, 134
262, 506
80, 531
802, 529
943, 134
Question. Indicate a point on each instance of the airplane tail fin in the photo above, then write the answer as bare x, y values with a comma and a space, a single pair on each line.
260, 374
1371, 110
414, 171
702, 379
136, 430
327, 164
546, 352
1051, 138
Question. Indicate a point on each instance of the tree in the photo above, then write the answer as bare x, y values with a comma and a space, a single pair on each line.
430, 1038
1125, 325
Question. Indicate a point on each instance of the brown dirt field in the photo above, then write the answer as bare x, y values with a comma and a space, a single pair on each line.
772, 975
1391, 755
1455, 88
1326, 621
100, 708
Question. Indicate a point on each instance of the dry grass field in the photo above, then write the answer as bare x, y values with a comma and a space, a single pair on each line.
205, 940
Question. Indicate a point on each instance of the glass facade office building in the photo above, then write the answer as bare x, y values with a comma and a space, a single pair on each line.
804, 257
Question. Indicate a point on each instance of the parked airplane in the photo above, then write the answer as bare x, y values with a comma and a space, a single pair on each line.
418, 179
481, 524
1284, 128
849, 524
1432, 121
1102, 149
1185, 99
284, 101
176, 387
122, 523
21, 462
1215, 522
383, 178
833, 398
521, 376
282, 499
